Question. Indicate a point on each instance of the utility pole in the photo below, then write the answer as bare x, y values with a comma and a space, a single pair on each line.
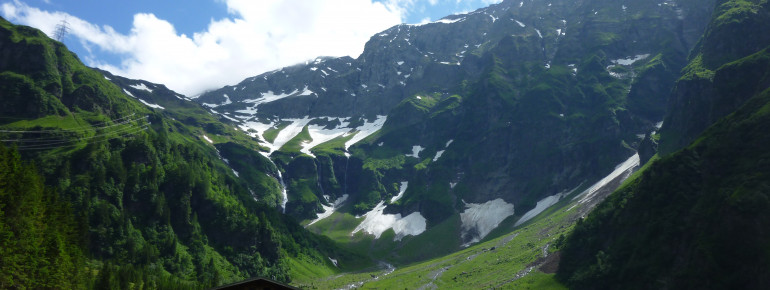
61, 30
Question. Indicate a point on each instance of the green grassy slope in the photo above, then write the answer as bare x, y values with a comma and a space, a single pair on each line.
695, 218
154, 204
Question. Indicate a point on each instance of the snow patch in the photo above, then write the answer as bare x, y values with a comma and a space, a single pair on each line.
267, 97
401, 191
438, 155
142, 87
329, 210
376, 222
449, 21
227, 100
288, 133
627, 165
365, 130
478, 220
306, 92
128, 93
319, 134
520, 24
156, 106
208, 139
631, 60
542, 205
415, 151
449, 142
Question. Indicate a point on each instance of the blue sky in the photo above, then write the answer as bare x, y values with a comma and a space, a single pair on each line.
207, 44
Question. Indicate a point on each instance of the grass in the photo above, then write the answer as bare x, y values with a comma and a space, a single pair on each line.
271, 133
494, 263
295, 144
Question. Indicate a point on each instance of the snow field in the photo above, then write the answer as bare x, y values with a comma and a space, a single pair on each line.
365, 130
485, 217
319, 134
629, 164
376, 222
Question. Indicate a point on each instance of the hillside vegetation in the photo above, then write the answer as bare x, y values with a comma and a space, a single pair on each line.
698, 217
124, 194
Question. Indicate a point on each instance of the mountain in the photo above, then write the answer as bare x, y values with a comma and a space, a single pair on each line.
111, 182
467, 123
697, 216
483, 137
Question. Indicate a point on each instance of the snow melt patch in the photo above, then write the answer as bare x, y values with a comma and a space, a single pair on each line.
208, 139
329, 210
306, 92
288, 133
627, 165
260, 128
631, 60
377, 222
438, 155
401, 191
542, 205
156, 106
365, 130
478, 220
319, 134
449, 21
415, 151
142, 87
268, 97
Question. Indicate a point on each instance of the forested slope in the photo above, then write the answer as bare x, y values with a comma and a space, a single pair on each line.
131, 197
698, 217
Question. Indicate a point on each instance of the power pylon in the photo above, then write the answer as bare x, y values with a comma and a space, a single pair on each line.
61, 30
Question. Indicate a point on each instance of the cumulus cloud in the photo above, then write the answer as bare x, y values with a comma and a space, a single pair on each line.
258, 36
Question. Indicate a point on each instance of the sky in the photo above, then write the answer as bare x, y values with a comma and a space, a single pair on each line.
207, 44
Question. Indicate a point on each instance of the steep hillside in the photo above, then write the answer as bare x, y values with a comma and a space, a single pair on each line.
708, 91
499, 108
153, 202
696, 218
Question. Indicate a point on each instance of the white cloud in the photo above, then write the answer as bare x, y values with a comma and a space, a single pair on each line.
258, 36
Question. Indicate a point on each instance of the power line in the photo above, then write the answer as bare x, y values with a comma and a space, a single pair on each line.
75, 142
91, 137
75, 131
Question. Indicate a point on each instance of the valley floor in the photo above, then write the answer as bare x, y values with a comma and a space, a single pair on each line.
520, 257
